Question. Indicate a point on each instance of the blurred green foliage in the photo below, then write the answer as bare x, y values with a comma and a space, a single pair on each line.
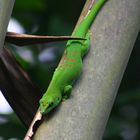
11, 127
53, 17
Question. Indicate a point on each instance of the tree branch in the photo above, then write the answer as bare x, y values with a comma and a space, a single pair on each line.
21, 93
84, 115
15, 83
6, 7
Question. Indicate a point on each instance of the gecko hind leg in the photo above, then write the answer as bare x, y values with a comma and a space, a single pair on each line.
67, 92
86, 44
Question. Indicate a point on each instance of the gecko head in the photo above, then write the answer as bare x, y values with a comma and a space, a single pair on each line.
48, 103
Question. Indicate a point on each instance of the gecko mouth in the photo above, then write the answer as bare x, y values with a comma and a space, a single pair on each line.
50, 107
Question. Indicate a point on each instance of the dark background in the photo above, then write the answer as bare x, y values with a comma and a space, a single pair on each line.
58, 17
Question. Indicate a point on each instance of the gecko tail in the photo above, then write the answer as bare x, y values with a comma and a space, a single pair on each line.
85, 24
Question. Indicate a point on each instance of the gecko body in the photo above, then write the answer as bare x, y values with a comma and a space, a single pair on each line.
71, 64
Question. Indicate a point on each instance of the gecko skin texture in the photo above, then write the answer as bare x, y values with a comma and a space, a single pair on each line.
71, 64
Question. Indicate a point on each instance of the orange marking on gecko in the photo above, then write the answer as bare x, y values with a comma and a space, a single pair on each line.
69, 60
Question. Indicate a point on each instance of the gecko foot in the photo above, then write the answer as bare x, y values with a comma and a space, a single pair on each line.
67, 92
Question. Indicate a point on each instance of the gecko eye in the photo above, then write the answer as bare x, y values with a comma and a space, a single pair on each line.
51, 104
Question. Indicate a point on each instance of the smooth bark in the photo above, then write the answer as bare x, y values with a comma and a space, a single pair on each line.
85, 114
6, 7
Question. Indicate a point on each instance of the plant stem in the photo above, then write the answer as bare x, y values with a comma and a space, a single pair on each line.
84, 115
6, 7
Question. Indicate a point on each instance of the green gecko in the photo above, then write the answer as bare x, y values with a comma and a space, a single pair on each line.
70, 65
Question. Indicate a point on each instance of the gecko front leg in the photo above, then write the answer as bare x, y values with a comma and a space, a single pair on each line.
67, 92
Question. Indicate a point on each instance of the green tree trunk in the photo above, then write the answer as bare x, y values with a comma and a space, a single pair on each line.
85, 114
